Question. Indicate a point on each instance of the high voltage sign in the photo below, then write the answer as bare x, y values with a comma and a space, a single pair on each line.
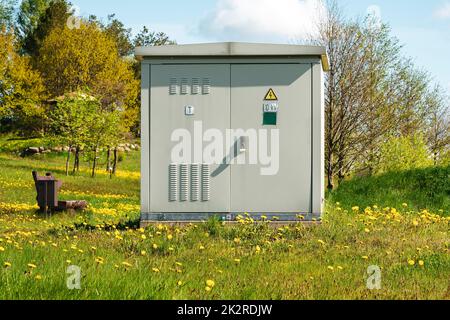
271, 96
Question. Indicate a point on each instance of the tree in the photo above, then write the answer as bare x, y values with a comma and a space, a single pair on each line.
151, 38
71, 120
102, 133
438, 124
21, 89
371, 93
75, 59
55, 16
116, 30
28, 18
7, 9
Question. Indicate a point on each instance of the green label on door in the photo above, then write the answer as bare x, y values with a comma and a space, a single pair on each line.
270, 118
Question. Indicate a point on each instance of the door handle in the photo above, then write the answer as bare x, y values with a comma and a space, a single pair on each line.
243, 144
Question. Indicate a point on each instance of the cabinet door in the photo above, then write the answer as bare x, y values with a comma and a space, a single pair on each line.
266, 98
192, 99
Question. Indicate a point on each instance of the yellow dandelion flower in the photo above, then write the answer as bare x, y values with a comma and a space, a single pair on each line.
126, 264
411, 262
155, 246
201, 247
208, 289
356, 208
331, 268
367, 230
31, 266
169, 237
210, 283
156, 270
2, 249
404, 205
38, 277
143, 253
321, 242
237, 240
415, 223
143, 237
421, 263
258, 249
7, 264
237, 260
365, 257
180, 283
68, 261
340, 268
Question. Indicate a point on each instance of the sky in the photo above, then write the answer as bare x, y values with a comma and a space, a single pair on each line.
422, 26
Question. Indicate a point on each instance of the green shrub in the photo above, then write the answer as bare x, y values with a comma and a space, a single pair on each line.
404, 153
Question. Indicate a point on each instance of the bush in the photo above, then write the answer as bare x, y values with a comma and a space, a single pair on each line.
404, 153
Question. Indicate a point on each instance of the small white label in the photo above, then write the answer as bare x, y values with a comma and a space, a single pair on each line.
189, 110
270, 107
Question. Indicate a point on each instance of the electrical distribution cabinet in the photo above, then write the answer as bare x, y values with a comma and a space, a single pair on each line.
232, 128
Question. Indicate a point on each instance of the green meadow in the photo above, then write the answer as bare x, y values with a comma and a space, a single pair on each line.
398, 223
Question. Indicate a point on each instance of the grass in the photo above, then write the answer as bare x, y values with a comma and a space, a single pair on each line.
422, 188
248, 261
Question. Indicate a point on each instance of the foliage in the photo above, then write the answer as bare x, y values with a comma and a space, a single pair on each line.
7, 13
151, 38
21, 89
30, 14
117, 31
68, 66
71, 118
55, 16
438, 123
404, 153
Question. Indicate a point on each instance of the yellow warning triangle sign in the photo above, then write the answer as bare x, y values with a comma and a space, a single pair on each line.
271, 96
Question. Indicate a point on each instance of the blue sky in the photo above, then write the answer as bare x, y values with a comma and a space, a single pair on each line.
422, 26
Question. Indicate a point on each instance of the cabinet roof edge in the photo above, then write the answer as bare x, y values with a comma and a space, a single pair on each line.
233, 49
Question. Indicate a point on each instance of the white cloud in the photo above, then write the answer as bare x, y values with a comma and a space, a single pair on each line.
267, 20
443, 12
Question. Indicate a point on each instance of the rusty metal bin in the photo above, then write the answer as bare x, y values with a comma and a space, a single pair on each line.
47, 191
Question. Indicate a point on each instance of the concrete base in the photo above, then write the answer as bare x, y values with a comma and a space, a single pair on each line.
181, 219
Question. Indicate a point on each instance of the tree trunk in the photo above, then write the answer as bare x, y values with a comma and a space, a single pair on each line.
78, 160
108, 160
330, 175
68, 160
115, 161
76, 164
94, 163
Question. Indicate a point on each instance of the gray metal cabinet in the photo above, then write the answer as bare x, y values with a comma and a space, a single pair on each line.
266, 104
